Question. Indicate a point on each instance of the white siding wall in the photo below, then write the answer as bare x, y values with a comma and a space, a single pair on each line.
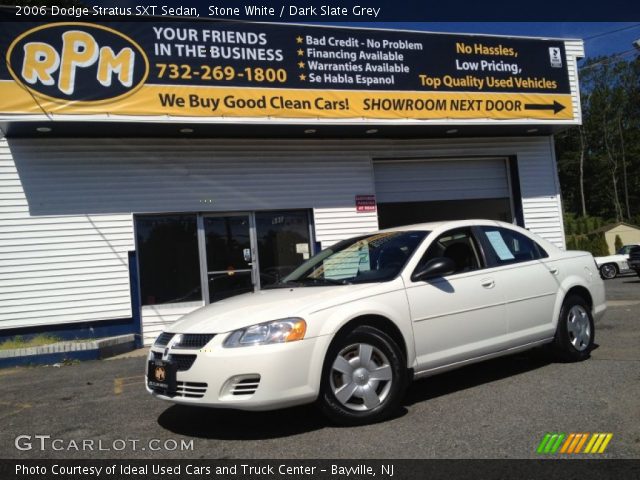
575, 51
57, 269
66, 223
66, 204
335, 224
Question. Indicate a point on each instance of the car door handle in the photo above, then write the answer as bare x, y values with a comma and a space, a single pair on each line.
554, 271
488, 283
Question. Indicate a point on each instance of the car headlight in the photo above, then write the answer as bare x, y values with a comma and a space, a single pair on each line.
277, 331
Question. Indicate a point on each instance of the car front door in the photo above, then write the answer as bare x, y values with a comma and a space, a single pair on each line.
530, 282
461, 315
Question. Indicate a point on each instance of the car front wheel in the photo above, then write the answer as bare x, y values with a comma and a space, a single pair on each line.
364, 377
575, 333
609, 271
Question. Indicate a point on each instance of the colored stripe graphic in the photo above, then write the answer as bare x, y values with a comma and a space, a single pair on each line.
550, 443
573, 443
598, 443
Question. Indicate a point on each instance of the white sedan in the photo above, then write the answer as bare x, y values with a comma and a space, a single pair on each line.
352, 326
612, 265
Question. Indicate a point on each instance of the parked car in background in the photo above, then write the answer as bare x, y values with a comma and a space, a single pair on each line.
613, 265
626, 249
634, 260
353, 325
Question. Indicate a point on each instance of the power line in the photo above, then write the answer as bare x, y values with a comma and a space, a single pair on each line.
610, 32
607, 60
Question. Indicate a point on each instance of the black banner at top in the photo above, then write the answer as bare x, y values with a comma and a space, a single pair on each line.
350, 10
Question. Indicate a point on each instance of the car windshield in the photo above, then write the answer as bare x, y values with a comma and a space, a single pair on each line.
371, 258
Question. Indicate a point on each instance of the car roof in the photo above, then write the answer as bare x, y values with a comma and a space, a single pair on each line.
448, 224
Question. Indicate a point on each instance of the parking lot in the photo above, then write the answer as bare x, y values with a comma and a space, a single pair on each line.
497, 409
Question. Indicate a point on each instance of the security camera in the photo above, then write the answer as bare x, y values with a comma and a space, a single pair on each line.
636, 44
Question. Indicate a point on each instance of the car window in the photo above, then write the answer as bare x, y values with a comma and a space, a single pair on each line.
508, 246
458, 245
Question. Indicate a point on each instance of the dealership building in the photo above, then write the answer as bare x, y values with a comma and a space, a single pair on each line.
149, 169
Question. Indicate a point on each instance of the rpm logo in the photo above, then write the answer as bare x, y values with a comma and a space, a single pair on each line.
78, 62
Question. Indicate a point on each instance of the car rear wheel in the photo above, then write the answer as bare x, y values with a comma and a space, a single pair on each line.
609, 271
575, 333
364, 377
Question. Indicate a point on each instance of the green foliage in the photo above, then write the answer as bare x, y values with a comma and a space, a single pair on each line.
599, 246
594, 243
610, 97
581, 234
618, 243
21, 342
579, 225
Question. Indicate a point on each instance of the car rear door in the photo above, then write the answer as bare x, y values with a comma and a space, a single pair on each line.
459, 316
529, 282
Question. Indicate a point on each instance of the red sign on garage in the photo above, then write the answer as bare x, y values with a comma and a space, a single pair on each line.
365, 203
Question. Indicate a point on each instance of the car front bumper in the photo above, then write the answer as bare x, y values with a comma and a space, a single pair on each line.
263, 377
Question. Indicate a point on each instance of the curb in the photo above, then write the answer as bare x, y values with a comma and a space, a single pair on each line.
75, 350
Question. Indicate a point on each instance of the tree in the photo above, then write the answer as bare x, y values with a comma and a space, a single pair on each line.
618, 243
599, 161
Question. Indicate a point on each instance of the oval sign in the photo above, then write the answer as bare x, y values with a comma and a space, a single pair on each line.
79, 62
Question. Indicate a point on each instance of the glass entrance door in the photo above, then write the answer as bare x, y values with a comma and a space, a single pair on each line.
243, 252
229, 255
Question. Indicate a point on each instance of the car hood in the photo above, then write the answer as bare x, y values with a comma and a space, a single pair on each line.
262, 306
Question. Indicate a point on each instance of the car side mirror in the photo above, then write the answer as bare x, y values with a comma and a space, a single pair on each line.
436, 267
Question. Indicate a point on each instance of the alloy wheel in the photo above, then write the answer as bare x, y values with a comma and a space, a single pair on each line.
361, 377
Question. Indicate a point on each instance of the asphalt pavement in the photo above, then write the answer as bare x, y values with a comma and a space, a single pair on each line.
497, 409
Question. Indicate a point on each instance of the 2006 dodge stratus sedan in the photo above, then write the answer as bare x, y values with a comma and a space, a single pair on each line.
354, 324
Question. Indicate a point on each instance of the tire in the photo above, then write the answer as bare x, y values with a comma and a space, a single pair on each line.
575, 333
609, 271
349, 393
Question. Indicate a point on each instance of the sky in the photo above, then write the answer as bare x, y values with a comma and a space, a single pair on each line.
601, 38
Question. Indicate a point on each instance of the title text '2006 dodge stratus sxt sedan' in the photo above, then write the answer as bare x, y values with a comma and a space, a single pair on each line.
354, 324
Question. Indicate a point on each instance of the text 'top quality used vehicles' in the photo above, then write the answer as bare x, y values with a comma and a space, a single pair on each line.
351, 326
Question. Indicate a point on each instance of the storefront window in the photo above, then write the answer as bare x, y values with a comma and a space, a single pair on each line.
168, 258
283, 243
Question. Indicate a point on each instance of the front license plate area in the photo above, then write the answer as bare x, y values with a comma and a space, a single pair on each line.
161, 376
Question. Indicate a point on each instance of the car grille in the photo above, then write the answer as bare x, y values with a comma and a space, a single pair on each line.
190, 341
187, 389
246, 386
163, 339
191, 389
184, 362
194, 341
